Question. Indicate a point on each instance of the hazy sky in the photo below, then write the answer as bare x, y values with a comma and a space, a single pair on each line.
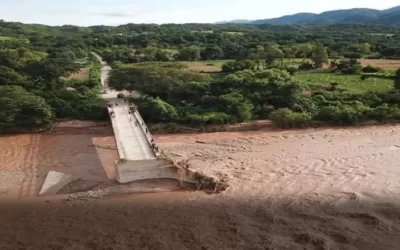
115, 12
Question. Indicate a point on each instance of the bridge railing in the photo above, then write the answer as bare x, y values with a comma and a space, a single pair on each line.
120, 148
146, 131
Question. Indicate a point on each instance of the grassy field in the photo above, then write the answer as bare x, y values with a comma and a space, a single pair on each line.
218, 63
7, 38
234, 33
350, 83
172, 51
206, 66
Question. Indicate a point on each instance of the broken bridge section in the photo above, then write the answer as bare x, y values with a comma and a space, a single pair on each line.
139, 155
132, 135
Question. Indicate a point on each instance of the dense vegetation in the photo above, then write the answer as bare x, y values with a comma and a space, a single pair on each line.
260, 80
172, 93
35, 92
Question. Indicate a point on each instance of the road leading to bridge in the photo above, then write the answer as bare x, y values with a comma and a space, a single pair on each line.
132, 139
138, 160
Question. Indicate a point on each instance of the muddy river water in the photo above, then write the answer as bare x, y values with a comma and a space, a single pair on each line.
308, 189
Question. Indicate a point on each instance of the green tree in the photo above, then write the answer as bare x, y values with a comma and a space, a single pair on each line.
21, 108
272, 53
319, 55
10, 77
305, 50
365, 48
258, 54
157, 110
191, 53
231, 67
397, 80
212, 52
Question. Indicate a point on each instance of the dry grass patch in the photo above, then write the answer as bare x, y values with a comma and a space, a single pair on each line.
382, 63
83, 74
202, 67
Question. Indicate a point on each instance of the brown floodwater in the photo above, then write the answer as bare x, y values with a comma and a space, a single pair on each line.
307, 189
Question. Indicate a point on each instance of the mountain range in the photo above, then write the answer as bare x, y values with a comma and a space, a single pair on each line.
360, 15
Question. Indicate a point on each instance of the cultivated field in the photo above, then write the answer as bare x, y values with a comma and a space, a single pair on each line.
350, 83
206, 66
382, 63
388, 65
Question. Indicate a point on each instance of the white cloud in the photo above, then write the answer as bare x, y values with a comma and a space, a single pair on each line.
130, 10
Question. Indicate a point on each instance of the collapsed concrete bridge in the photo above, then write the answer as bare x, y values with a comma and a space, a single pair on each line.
139, 156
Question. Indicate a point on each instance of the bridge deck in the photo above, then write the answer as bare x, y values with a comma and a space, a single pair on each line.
132, 138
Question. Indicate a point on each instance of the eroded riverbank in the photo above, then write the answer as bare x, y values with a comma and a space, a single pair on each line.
312, 189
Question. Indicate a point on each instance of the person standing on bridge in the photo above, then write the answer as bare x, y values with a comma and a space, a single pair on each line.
130, 118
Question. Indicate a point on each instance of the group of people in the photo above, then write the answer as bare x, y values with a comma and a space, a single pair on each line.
132, 110
112, 113
154, 145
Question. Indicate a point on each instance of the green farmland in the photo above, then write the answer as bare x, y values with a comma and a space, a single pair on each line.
349, 83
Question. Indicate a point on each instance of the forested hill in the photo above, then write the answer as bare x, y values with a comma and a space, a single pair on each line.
361, 15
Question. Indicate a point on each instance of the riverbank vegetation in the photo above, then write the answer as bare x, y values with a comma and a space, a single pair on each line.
35, 92
172, 93
201, 74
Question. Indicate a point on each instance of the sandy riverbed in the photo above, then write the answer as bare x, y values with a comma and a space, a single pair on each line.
362, 162
311, 189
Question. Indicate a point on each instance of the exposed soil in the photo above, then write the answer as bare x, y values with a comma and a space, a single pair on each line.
83, 149
382, 63
309, 189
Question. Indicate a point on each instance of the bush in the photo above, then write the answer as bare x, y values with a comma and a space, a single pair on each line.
286, 118
344, 114
353, 55
364, 77
385, 113
292, 70
231, 67
95, 75
374, 57
208, 118
397, 80
306, 66
370, 69
349, 67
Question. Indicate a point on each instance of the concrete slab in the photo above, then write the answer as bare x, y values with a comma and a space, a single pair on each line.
129, 134
129, 171
54, 182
